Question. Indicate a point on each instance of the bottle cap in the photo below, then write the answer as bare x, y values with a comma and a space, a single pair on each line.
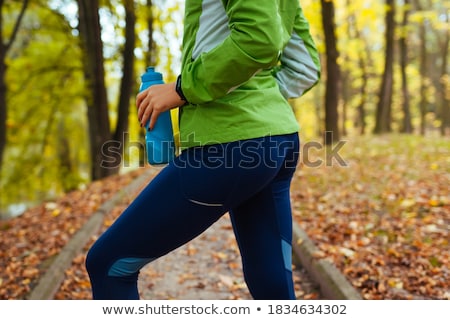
151, 75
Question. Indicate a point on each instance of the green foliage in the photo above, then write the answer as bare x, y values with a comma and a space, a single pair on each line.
44, 110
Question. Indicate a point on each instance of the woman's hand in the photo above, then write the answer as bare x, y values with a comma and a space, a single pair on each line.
154, 100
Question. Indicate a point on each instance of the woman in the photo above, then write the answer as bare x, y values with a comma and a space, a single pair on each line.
242, 60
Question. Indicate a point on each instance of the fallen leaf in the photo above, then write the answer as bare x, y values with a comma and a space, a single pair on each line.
228, 281
319, 254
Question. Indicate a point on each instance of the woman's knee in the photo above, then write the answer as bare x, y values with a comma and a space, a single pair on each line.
95, 261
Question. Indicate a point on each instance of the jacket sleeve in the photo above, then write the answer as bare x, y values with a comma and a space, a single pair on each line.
299, 69
254, 43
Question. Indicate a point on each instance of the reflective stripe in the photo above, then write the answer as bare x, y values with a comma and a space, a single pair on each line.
206, 204
298, 72
287, 254
128, 266
213, 27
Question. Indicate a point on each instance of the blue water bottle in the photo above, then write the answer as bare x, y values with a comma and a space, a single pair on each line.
159, 141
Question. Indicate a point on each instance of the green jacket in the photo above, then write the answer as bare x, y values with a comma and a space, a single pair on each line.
242, 60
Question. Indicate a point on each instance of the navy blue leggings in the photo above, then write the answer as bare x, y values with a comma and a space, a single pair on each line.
250, 179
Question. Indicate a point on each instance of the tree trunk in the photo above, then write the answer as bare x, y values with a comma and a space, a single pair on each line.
333, 74
346, 92
150, 60
363, 93
354, 32
3, 107
127, 83
66, 167
423, 73
150, 55
423, 80
94, 73
406, 125
383, 113
4, 48
444, 84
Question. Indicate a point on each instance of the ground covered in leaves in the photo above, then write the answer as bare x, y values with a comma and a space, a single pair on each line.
29, 243
383, 219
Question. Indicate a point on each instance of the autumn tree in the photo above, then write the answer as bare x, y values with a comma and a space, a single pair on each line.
357, 65
150, 58
423, 68
45, 152
106, 147
333, 79
444, 78
383, 112
5, 45
403, 44
127, 81
94, 73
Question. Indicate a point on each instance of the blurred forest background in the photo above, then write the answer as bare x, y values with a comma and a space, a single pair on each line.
69, 73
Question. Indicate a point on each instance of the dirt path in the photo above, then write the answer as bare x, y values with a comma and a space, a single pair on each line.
208, 267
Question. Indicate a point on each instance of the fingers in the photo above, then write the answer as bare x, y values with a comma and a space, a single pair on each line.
140, 97
143, 107
153, 117
154, 100
145, 117
139, 104
147, 113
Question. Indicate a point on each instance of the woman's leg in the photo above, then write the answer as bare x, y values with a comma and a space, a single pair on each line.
187, 197
158, 221
263, 229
